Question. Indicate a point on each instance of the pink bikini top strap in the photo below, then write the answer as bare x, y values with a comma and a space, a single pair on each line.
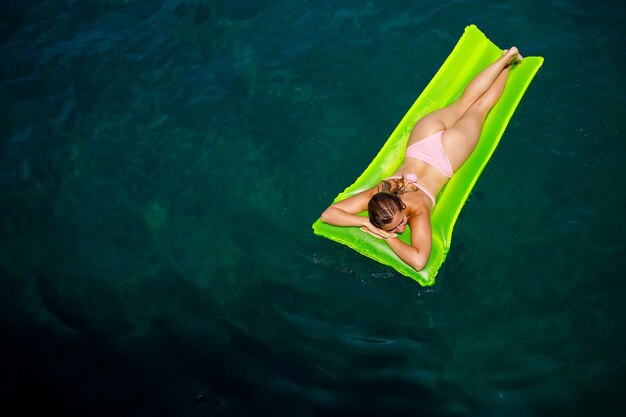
412, 178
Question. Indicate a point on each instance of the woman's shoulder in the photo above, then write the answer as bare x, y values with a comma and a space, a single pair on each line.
417, 203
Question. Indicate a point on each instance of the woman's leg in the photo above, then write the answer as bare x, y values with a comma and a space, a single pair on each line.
448, 116
460, 140
483, 81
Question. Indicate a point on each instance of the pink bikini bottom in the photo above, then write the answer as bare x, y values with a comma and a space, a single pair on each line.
430, 150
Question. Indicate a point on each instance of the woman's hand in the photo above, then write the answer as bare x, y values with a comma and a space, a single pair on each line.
376, 232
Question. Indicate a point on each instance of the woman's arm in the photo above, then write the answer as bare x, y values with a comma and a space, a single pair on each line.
417, 253
344, 213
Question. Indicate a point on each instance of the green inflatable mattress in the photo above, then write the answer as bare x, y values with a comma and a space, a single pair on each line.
472, 53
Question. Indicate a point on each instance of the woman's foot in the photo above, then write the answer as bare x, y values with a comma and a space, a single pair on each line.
512, 56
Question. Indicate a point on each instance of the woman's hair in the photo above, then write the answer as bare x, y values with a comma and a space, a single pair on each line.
386, 203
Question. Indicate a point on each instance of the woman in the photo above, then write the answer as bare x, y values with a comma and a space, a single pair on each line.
439, 144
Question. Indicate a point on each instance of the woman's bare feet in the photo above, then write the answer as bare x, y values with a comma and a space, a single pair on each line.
512, 56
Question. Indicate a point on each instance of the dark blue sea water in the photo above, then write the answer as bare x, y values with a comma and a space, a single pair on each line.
162, 163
